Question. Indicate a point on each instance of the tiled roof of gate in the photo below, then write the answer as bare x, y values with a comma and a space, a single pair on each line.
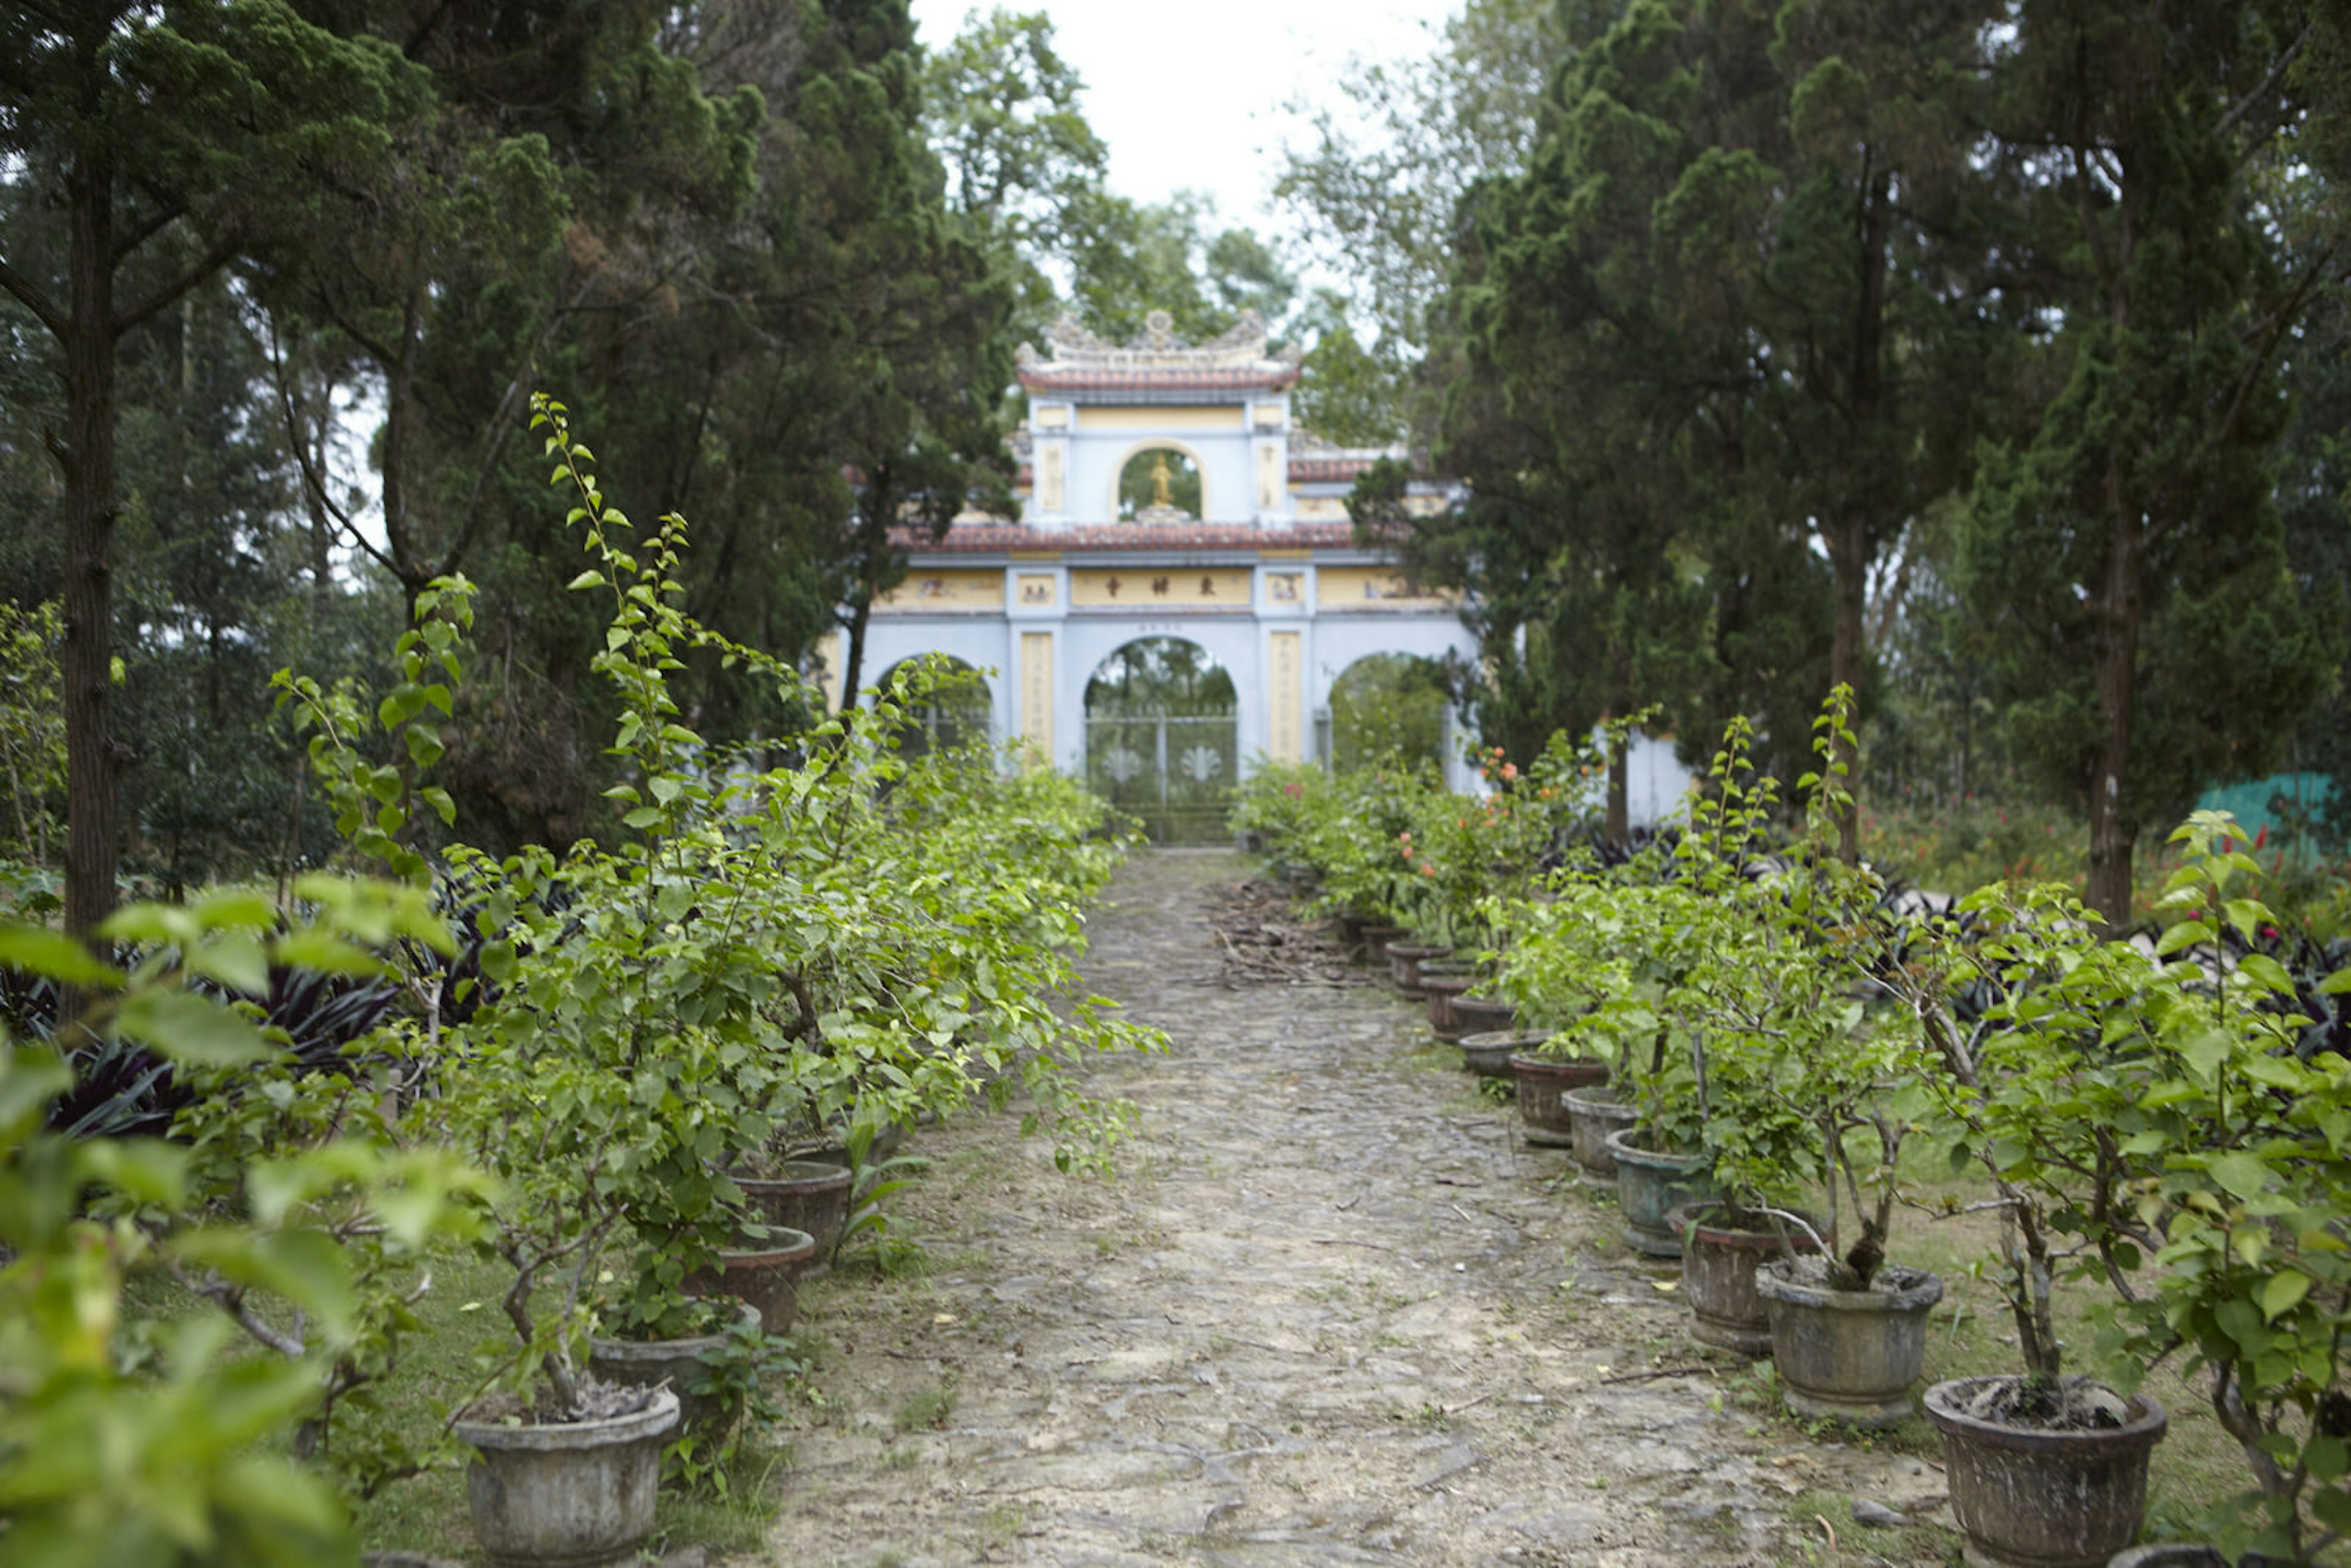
1269, 375
975, 538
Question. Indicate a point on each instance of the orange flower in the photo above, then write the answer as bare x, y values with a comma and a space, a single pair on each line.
1509, 770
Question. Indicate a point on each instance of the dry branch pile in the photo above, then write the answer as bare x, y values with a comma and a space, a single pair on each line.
1265, 941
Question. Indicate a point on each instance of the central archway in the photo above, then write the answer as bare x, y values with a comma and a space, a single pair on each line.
1161, 738
1387, 705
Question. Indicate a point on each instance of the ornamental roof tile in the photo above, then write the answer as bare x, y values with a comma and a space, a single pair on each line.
1267, 375
975, 538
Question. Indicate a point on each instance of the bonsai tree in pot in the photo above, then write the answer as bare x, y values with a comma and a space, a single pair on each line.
2233, 1147
2030, 1095
1807, 1098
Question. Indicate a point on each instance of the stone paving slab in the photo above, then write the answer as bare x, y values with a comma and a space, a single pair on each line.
1333, 1311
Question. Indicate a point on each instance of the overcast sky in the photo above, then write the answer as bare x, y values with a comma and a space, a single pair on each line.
1192, 95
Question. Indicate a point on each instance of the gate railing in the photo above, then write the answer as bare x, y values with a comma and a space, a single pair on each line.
1175, 771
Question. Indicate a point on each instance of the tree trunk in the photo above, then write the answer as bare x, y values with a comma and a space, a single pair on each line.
94, 761
2112, 832
1618, 827
1849, 565
1848, 539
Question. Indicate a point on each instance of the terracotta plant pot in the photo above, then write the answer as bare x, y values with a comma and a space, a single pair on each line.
1648, 1183
1543, 1085
1593, 1114
803, 1195
1437, 992
762, 1274
566, 1492
1403, 964
1850, 1356
1375, 942
1483, 1015
2031, 1497
1488, 1054
1718, 1262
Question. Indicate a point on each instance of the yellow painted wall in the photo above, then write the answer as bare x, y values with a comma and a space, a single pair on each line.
1036, 692
1151, 420
1369, 586
949, 588
1284, 697
1161, 587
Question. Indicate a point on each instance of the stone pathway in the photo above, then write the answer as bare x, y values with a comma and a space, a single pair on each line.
1333, 1311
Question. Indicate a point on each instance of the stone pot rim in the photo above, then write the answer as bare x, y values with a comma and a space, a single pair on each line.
1493, 1038
572, 1437
780, 1248
1683, 1221
1600, 1099
632, 1350
1538, 1065
1415, 950
1915, 1290
1621, 1144
816, 1176
2143, 1430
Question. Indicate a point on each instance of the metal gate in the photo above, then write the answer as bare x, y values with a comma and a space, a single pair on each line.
1161, 738
1175, 771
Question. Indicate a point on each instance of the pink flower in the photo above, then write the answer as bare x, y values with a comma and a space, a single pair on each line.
1509, 770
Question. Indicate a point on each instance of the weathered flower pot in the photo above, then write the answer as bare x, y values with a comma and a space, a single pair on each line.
1483, 1015
1850, 1356
2030, 1497
1375, 942
1488, 1052
1404, 960
886, 1143
1437, 992
1719, 1263
1593, 1114
763, 1274
644, 1363
1543, 1085
567, 1494
804, 1195
1648, 1183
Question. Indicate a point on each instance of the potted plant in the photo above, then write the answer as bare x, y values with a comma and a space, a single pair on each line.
2044, 1464
1804, 1105
2228, 1117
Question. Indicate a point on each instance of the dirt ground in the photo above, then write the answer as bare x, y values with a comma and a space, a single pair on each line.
1332, 1310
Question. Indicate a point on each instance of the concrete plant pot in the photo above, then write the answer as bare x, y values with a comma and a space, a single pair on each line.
2029, 1497
567, 1494
1849, 1355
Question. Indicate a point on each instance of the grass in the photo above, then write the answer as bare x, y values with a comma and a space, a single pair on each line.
457, 1323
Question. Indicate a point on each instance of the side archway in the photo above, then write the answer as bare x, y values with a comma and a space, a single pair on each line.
958, 713
1161, 738
1388, 705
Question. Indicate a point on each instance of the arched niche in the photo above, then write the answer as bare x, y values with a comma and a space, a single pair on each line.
1135, 490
